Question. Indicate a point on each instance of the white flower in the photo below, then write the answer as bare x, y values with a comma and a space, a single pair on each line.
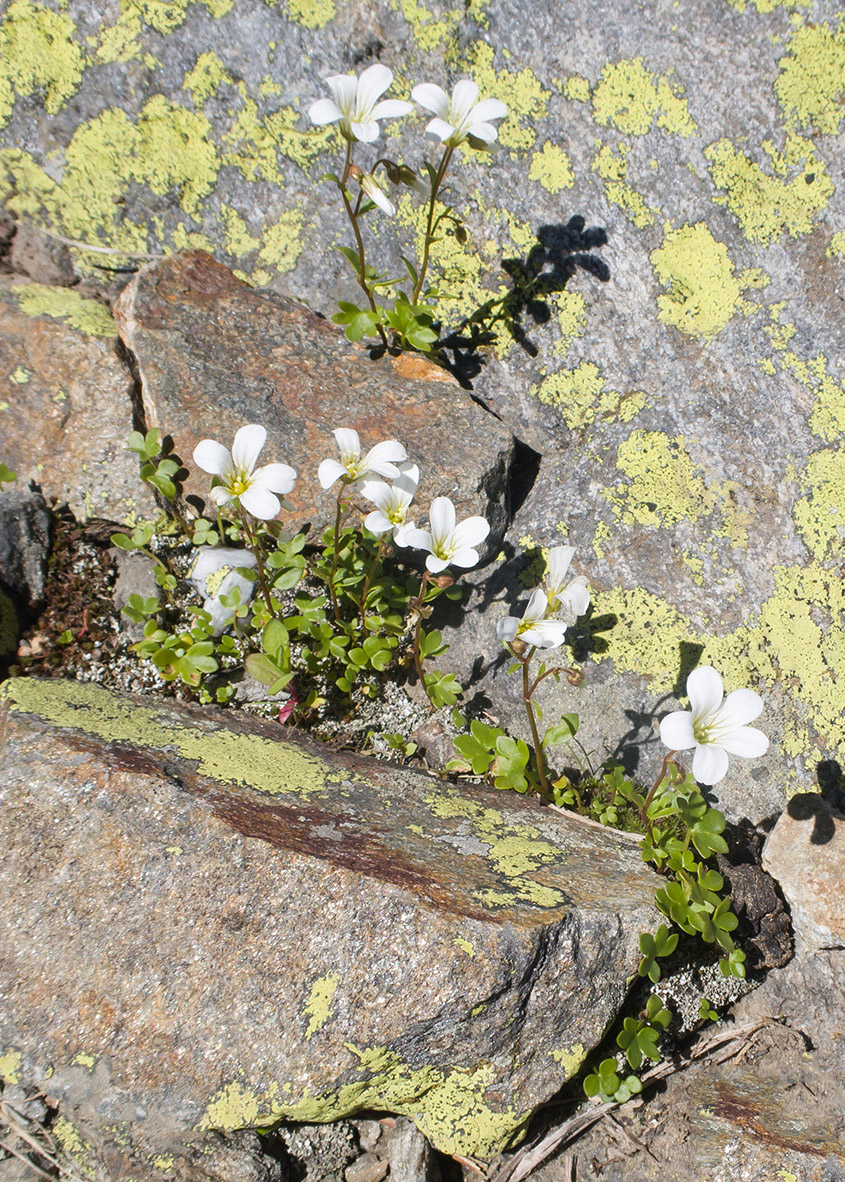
462, 117
215, 573
392, 503
448, 541
715, 728
256, 489
533, 628
381, 459
375, 192
570, 602
356, 106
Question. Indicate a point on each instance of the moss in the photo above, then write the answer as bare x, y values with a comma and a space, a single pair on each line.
704, 292
811, 84
766, 205
552, 168
268, 766
63, 303
38, 52
318, 1006
632, 99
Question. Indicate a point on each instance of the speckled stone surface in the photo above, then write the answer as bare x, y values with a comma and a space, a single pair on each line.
221, 926
214, 354
66, 400
688, 411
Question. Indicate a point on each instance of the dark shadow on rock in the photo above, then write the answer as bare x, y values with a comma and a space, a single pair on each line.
560, 251
690, 655
524, 469
641, 733
806, 806
831, 783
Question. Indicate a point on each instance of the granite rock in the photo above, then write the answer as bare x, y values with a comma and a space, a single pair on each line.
253, 928
214, 353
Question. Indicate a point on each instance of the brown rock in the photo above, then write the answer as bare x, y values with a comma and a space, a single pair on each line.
66, 400
805, 852
222, 927
214, 354
367, 1168
42, 258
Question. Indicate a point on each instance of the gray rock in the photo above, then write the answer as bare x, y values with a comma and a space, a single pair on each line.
42, 258
322, 1152
366, 1168
195, 329
208, 968
135, 576
410, 1155
25, 530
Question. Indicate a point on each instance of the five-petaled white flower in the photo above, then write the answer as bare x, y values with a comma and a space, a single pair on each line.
448, 540
392, 503
462, 117
534, 628
566, 602
256, 489
355, 103
214, 572
715, 728
381, 459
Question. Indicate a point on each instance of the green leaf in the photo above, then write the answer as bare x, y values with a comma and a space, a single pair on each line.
7, 476
563, 732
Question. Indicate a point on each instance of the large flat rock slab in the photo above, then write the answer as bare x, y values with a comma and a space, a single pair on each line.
218, 925
66, 400
214, 353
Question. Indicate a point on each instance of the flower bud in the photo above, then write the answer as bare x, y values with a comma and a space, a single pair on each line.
355, 172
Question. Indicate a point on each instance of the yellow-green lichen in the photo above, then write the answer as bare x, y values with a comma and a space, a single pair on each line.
582, 398
602, 535
632, 98
206, 77
67, 305
38, 53
75, 1146
820, 516
281, 245
764, 6
611, 165
515, 851
447, 1105
318, 1006
811, 84
84, 1059
20, 376
163, 1162
268, 766
577, 88
836, 249
766, 205
828, 417
552, 168
570, 1059
526, 99
704, 291
664, 487
10, 1066
311, 14
430, 31
239, 241
464, 945
572, 318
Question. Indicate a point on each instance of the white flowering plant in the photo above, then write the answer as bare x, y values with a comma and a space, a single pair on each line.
300, 617
399, 318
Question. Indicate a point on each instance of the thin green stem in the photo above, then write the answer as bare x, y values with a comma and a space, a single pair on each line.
527, 691
664, 767
429, 229
256, 550
352, 214
370, 573
416, 605
337, 519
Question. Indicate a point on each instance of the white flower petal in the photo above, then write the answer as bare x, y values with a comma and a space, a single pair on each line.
676, 731
213, 457
324, 111
506, 629
390, 452
249, 441
378, 522
709, 764
378, 195
741, 706
745, 741
328, 472
419, 539
537, 605
558, 565
435, 564
391, 109
366, 132
279, 478
260, 502
471, 532
348, 443
376, 491
464, 98
432, 97
439, 129
441, 516
400, 533
544, 634
485, 132
486, 110
221, 495
344, 88
464, 557
575, 600
705, 691
371, 85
